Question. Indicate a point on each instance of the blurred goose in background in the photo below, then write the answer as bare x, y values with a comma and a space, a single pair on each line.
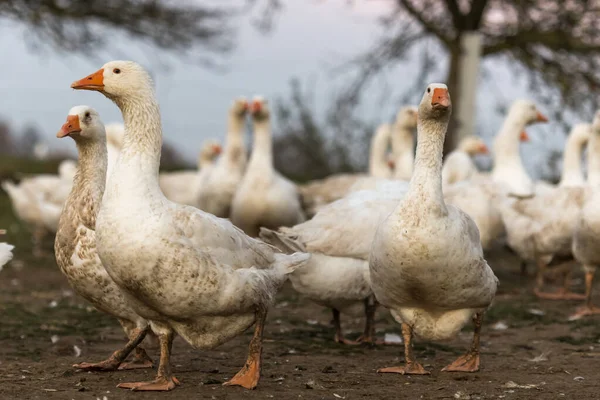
264, 197
403, 142
75, 242
184, 187
319, 193
572, 173
426, 262
114, 143
541, 229
224, 178
185, 270
5, 251
586, 239
459, 165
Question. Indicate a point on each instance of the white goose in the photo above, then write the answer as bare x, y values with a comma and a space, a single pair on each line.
339, 239
185, 270
379, 165
264, 197
5, 251
223, 180
509, 171
184, 187
459, 165
75, 242
426, 261
403, 142
586, 239
540, 234
572, 173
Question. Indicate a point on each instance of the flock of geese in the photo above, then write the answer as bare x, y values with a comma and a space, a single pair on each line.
201, 254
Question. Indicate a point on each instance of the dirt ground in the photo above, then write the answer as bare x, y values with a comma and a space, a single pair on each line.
529, 349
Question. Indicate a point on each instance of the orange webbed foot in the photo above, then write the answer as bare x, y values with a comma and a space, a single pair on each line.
106, 365
466, 363
160, 384
247, 377
558, 295
584, 311
413, 368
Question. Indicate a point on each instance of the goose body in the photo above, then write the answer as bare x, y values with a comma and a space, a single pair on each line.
184, 187
264, 197
426, 261
185, 270
339, 240
459, 165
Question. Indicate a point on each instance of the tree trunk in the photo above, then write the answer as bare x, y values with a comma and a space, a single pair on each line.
452, 81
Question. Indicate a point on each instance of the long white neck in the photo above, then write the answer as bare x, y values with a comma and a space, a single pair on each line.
426, 180
572, 174
140, 155
378, 166
402, 147
594, 159
235, 147
262, 151
90, 179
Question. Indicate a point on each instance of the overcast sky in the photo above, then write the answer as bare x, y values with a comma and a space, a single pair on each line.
310, 37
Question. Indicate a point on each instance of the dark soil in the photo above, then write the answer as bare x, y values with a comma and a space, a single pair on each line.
535, 357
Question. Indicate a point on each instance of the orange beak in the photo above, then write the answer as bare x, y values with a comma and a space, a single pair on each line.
217, 149
71, 126
483, 149
524, 137
541, 117
94, 81
440, 97
256, 107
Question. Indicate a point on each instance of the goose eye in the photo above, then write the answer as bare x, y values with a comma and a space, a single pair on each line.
117, 71
87, 114
428, 90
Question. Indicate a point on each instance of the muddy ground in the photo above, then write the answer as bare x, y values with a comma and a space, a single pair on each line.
539, 354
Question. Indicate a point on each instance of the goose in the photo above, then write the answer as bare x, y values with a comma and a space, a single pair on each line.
458, 165
221, 183
5, 251
184, 187
536, 232
508, 168
572, 173
403, 142
586, 237
426, 263
319, 193
339, 239
185, 270
379, 165
75, 242
264, 197
114, 141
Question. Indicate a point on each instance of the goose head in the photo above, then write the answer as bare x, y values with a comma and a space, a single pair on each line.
209, 151
435, 104
239, 107
473, 145
117, 80
83, 124
407, 117
260, 109
525, 112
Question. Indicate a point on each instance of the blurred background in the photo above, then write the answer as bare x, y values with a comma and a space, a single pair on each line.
332, 69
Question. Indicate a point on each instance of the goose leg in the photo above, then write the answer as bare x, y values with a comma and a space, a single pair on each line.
140, 360
470, 361
249, 375
339, 336
561, 294
116, 358
368, 335
165, 380
412, 366
588, 308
